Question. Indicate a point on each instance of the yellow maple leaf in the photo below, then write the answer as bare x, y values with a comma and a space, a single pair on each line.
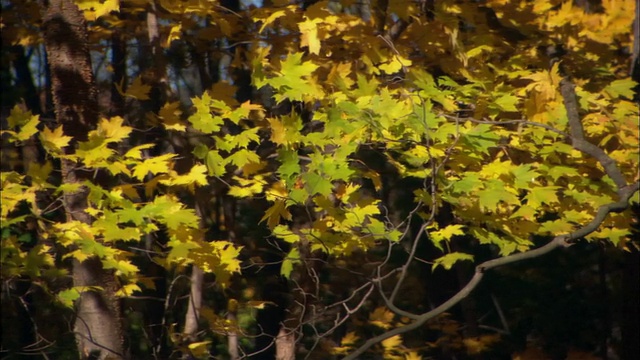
252, 168
107, 7
392, 343
223, 90
128, 289
278, 131
277, 191
567, 13
94, 9
347, 342
340, 75
275, 212
381, 317
112, 129
136, 152
174, 34
309, 35
18, 117
170, 116
247, 105
40, 173
54, 140
478, 345
243, 192
273, 17
542, 6
545, 83
197, 175
199, 349
28, 129
153, 165
25, 121
136, 90
394, 65
412, 355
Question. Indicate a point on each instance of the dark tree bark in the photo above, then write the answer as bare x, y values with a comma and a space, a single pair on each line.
98, 326
630, 325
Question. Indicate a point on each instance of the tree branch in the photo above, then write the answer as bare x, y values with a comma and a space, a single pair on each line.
577, 135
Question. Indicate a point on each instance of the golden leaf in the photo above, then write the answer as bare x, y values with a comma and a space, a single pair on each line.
54, 140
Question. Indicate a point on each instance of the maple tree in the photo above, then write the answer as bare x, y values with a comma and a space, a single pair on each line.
219, 178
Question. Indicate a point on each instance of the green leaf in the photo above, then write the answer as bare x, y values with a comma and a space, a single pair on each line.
445, 234
615, 235
623, 87
289, 167
243, 157
215, 163
507, 102
495, 192
284, 233
447, 261
200, 151
29, 129
180, 250
317, 184
203, 120
299, 196
524, 176
469, 183
154, 165
558, 171
557, 227
244, 138
131, 214
122, 267
481, 137
526, 212
542, 195
67, 297
292, 259
293, 81
180, 217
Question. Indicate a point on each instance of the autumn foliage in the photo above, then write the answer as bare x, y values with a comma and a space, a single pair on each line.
301, 176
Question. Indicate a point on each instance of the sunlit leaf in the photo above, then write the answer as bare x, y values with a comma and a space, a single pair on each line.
54, 140
447, 261
289, 261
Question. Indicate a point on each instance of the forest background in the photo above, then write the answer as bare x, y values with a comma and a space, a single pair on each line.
372, 179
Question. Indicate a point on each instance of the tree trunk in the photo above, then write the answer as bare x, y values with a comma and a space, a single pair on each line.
232, 337
286, 344
195, 303
631, 305
197, 281
156, 76
98, 327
